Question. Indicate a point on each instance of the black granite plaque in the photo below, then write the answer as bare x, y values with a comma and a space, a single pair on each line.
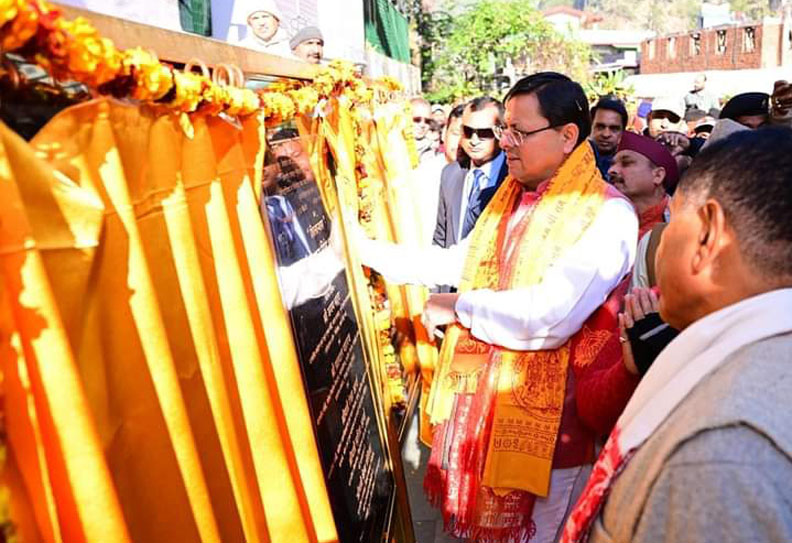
314, 289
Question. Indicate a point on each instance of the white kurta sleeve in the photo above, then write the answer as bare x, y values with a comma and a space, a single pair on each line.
402, 264
546, 315
309, 277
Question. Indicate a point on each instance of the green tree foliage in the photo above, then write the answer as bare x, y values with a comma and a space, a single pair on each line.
608, 84
432, 30
484, 45
754, 9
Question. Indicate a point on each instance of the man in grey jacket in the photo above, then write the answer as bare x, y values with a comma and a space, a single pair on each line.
703, 451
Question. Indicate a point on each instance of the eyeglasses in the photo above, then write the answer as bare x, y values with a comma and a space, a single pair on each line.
515, 136
482, 133
424, 120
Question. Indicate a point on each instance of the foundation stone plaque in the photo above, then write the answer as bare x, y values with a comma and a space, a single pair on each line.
314, 289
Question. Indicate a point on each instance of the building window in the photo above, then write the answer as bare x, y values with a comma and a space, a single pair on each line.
720, 42
651, 49
749, 39
671, 47
695, 45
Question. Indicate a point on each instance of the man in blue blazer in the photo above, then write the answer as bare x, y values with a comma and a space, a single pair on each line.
468, 184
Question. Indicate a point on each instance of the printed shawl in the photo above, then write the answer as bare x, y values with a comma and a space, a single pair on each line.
497, 412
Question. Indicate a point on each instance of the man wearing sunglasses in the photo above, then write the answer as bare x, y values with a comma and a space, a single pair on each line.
667, 115
466, 190
548, 250
422, 120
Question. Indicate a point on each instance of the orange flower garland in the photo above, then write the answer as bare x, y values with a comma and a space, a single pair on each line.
152, 79
74, 50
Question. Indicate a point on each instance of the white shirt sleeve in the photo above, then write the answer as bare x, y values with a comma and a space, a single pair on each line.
546, 315
402, 264
309, 277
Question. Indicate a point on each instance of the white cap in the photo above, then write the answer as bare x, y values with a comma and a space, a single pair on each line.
666, 103
243, 9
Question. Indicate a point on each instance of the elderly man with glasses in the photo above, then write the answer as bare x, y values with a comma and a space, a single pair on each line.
422, 124
510, 453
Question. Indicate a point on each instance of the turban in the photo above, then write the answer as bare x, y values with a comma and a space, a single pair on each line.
655, 152
306, 33
748, 103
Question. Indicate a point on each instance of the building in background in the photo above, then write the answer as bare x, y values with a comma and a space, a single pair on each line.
715, 15
741, 57
614, 50
567, 20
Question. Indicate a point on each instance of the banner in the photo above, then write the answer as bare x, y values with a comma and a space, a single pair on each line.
233, 21
161, 13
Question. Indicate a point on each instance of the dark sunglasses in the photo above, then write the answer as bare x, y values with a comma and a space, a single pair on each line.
663, 114
482, 133
425, 120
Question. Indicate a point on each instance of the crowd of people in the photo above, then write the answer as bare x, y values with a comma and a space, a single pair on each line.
606, 283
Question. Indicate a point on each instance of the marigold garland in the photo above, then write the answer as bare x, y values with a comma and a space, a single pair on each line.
74, 50
152, 79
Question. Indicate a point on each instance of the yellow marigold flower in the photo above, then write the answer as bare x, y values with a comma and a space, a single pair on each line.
215, 98
23, 26
278, 106
153, 80
283, 85
305, 99
8, 10
251, 103
189, 91
324, 83
390, 83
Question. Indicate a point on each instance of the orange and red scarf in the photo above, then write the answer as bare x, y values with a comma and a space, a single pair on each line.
497, 412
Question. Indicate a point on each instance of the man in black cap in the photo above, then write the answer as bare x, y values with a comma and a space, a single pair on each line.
755, 109
308, 45
751, 109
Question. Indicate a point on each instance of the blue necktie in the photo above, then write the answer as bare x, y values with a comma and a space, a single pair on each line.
474, 204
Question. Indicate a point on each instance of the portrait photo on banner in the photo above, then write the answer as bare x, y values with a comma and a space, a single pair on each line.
263, 25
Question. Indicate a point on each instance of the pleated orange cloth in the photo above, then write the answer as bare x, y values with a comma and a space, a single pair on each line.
201, 435
392, 122
60, 482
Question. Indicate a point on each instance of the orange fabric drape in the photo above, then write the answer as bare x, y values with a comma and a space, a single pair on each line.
181, 351
335, 134
392, 123
52, 436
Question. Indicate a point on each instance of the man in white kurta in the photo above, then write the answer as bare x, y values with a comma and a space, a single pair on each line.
546, 120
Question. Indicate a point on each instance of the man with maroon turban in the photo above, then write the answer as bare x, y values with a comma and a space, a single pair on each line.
645, 172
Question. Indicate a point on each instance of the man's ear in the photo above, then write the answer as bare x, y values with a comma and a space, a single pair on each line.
570, 133
711, 236
658, 175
